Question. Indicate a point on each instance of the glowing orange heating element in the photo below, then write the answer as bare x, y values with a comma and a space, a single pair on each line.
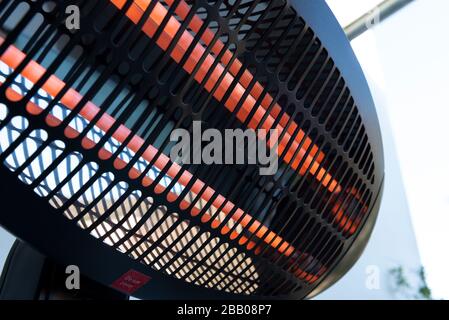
293, 156
33, 72
310, 160
301, 155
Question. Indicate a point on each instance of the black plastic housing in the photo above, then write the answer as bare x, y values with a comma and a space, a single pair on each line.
78, 184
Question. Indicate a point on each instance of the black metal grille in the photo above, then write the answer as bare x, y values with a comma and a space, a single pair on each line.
86, 117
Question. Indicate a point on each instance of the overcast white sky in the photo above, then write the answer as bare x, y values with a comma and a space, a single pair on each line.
406, 56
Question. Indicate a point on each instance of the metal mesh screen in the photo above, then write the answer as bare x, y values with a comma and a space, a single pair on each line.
86, 117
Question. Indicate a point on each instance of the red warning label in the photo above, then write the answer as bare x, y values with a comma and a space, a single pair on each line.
130, 281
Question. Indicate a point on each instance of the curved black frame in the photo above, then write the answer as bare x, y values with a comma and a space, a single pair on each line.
325, 25
23, 212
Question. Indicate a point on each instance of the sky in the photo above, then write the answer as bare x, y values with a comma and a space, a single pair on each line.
406, 57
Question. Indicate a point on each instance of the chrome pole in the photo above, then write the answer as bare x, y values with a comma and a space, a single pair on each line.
376, 15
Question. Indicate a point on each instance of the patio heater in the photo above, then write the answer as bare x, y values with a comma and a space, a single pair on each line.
87, 109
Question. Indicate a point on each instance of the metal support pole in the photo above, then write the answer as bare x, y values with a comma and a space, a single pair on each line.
375, 15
